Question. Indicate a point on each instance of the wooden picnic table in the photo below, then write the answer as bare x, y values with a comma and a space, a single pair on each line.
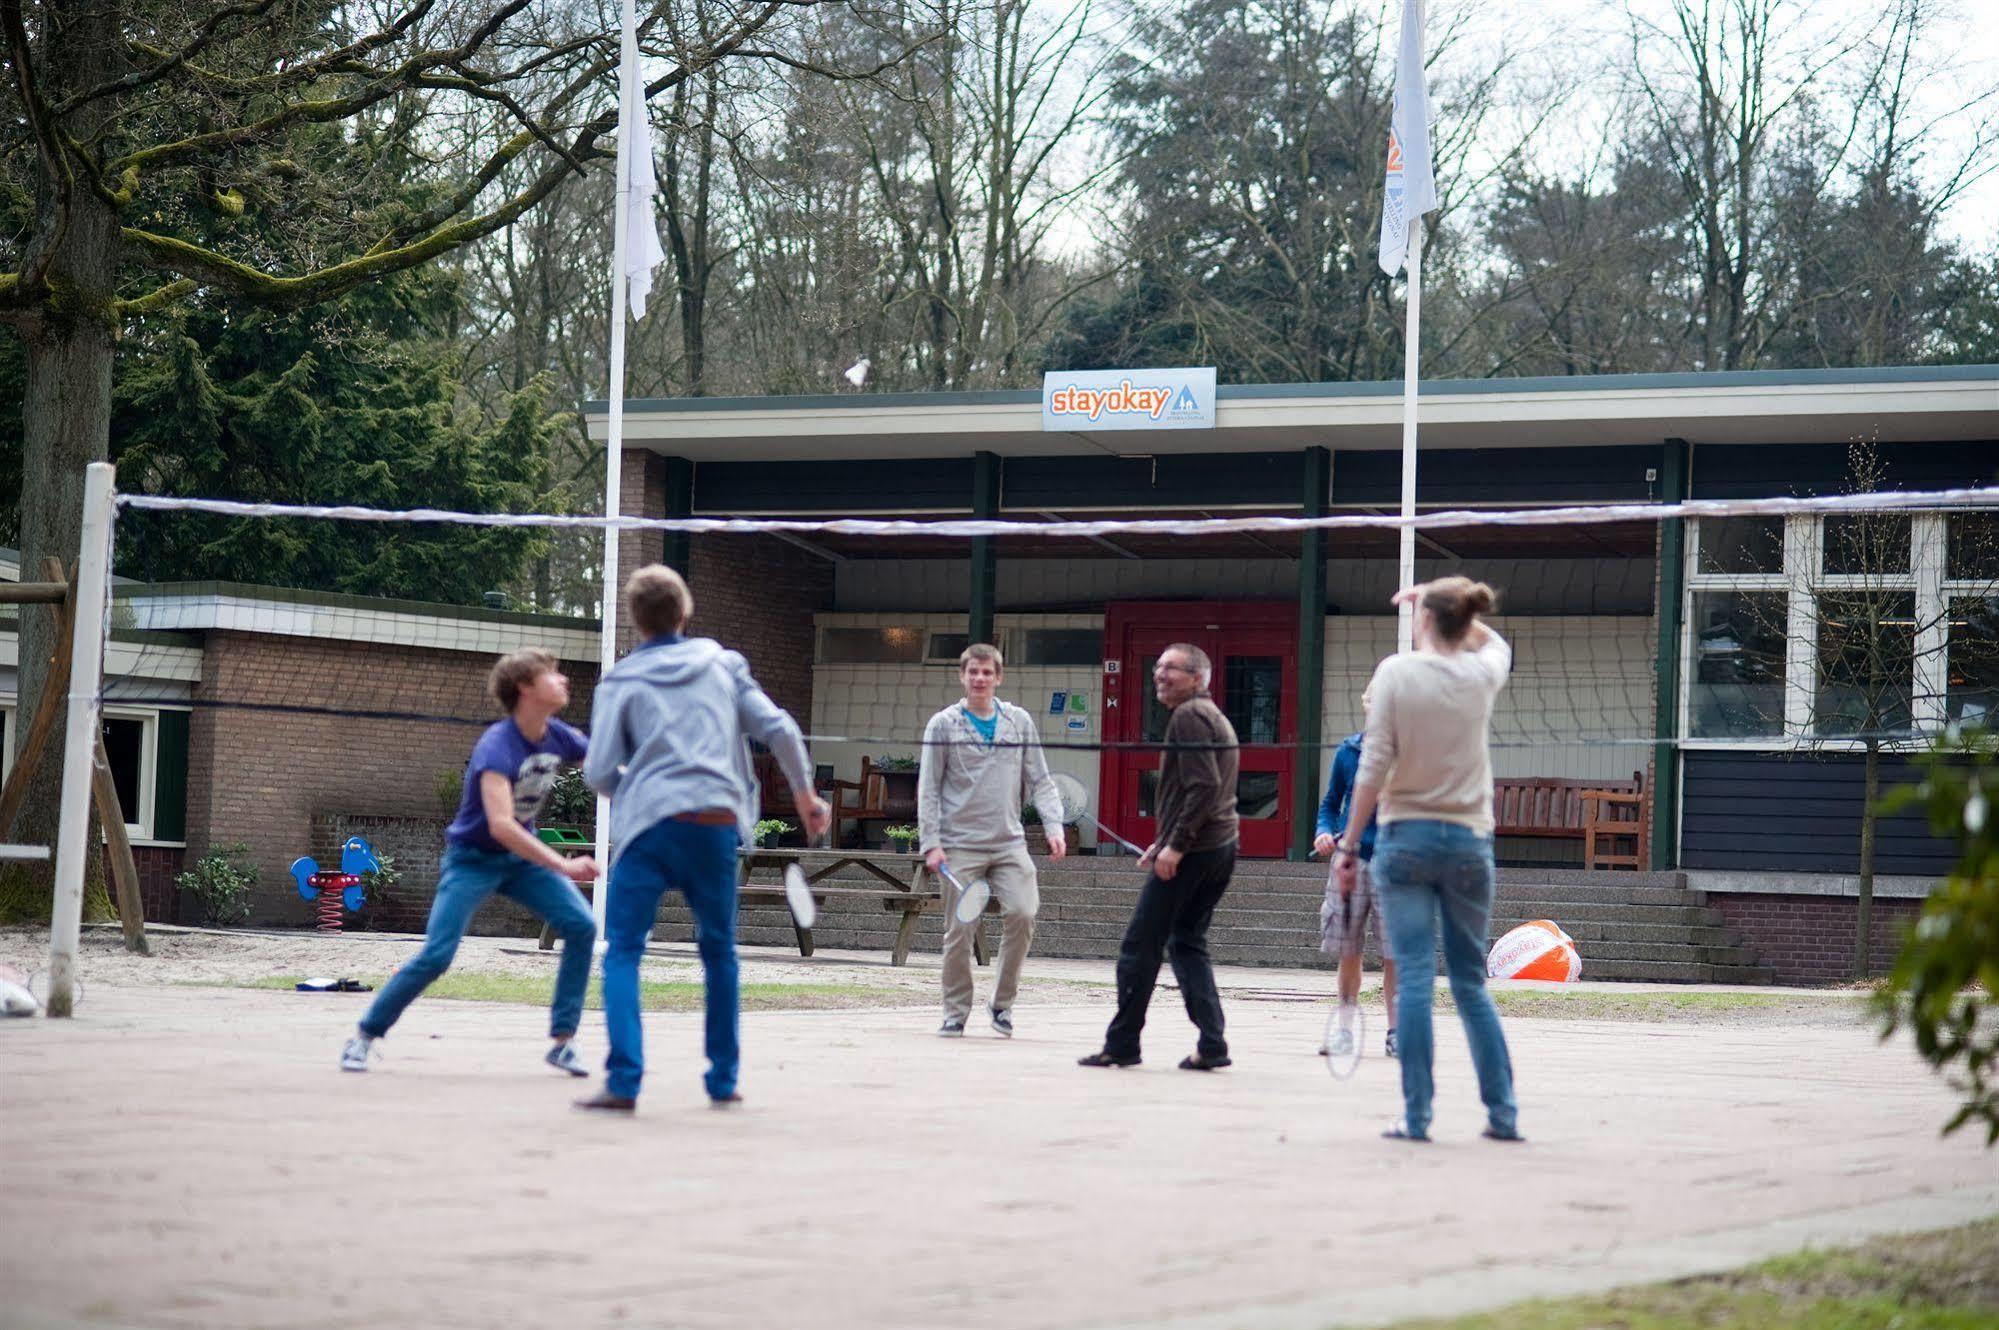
907, 884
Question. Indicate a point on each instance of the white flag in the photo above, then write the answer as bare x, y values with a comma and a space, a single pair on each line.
637, 183
1412, 183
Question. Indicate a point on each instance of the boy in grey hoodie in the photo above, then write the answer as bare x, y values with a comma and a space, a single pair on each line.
671, 722
981, 758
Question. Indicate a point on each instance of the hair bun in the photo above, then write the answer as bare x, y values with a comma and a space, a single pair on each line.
1480, 598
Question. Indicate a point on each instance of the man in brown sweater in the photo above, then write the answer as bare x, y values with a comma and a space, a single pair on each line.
1191, 860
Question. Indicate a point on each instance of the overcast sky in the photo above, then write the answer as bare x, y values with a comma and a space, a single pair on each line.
1578, 43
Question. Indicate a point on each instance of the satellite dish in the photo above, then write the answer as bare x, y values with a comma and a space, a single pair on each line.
1075, 798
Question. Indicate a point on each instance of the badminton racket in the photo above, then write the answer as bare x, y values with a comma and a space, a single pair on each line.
972, 898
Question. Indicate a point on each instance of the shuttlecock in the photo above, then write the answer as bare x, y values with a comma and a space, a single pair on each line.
857, 373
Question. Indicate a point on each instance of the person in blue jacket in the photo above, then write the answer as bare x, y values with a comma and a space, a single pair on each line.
1343, 922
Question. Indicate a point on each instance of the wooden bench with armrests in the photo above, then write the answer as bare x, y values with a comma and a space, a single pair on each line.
1602, 814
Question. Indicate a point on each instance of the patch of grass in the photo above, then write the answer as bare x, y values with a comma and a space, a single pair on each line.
654, 994
1656, 1004
1947, 1280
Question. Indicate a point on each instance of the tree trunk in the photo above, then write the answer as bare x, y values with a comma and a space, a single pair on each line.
65, 425
1863, 907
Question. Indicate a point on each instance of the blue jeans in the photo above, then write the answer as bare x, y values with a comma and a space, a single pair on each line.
469, 877
700, 862
1422, 869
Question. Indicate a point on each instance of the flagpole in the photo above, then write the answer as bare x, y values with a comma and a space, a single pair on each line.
614, 453
1405, 627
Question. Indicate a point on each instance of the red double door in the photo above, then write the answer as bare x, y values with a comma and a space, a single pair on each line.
1254, 648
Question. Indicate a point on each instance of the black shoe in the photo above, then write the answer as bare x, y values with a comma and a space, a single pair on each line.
1512, 1137
1107, 1058
725, 1101
1398, 1132
1195, 1062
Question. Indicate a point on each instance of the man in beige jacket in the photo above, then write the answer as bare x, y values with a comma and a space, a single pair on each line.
981, 760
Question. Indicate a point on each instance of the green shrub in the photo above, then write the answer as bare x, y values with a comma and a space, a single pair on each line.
450, 787
770, 829
1945, 984
901, 837
221, 885
570, 803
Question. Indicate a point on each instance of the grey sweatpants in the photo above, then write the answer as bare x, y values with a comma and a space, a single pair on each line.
1010, 874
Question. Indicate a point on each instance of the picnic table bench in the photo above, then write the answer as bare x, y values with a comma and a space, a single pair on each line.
902, 882
905, 884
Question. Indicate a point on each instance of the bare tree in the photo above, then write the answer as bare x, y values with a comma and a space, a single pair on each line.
148, 133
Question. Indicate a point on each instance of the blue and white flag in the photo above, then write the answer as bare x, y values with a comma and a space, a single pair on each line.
638, 182
1412, 181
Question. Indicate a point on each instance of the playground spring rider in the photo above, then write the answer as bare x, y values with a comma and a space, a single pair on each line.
333, 889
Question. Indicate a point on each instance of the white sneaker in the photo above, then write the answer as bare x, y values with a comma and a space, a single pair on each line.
1342, 1045
354, 1054
563, 1057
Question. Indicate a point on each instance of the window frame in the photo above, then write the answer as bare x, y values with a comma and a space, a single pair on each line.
141, 830
1804, 580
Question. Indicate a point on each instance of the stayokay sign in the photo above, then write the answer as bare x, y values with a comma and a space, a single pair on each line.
1128, 399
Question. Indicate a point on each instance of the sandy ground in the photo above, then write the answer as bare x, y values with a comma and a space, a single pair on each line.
190, 1157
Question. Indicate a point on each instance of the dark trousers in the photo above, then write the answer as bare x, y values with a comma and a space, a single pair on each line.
1171, 922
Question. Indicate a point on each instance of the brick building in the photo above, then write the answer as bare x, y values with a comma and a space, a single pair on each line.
1634, 649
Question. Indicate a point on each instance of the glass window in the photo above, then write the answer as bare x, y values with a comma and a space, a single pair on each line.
1866, 663
1253, 696
6, 740
1971, 692
947, 646
1972, 547
871, 646
1154, 726
1741, 545
125, 745
1737, 688
1256, 796
1865, 544
1061, 646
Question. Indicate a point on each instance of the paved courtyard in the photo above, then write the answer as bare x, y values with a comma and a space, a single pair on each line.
190, 1157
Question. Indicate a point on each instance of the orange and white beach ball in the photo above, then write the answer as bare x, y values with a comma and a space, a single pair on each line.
1538, 949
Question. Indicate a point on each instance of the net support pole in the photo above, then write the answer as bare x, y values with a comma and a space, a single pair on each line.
1672, 582
985, 549
614, 463
1405, 626
1318, 472
86, 671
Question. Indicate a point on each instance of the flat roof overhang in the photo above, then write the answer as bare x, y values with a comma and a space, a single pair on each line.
1936, 404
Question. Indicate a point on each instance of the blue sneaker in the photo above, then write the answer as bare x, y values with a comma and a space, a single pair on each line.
1002, 1022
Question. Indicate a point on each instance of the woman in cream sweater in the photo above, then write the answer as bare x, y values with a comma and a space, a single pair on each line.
1426, 764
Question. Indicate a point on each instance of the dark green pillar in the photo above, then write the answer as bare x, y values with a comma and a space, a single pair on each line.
1672, 583
1318, 474
679, 503
985, 549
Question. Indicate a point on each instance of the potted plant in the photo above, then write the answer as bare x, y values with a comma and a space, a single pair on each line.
770, 830
902, 838
570, 803
1072, 838
898, 785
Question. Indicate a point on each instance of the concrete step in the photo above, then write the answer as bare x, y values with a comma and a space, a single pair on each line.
1629, 926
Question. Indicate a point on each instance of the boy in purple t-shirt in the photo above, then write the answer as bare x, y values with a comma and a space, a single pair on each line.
491, 847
